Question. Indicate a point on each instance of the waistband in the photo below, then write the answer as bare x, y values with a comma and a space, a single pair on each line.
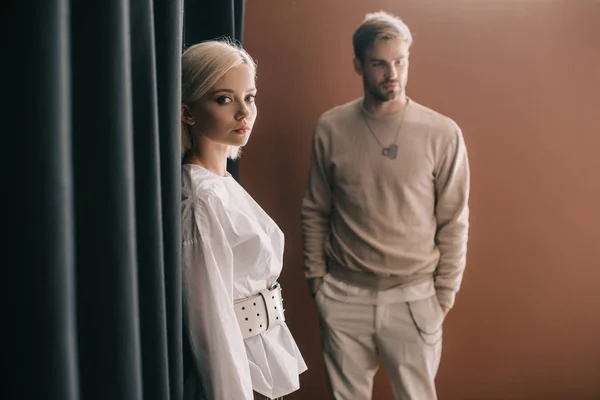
368, 288
366, 279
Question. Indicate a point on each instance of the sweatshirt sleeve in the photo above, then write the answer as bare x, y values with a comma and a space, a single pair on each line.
216, 340
452, 216
316, 207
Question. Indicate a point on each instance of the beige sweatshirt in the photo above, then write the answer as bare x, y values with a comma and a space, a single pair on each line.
382, 223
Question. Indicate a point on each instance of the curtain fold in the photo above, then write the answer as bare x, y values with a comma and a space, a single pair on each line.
168, 15
148, 204
105, 231
40, 353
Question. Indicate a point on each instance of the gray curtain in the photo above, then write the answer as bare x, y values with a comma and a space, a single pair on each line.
91, 193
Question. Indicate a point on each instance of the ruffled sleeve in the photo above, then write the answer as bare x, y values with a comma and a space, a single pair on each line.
215, 338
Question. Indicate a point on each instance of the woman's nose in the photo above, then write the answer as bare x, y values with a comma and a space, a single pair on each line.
243, 112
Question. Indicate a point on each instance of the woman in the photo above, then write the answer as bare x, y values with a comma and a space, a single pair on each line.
232, 250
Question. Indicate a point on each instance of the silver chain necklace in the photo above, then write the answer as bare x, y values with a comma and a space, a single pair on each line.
391, 151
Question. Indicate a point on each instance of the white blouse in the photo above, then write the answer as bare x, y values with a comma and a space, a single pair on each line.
231, 250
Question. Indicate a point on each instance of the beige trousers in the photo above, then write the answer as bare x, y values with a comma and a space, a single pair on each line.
406, 334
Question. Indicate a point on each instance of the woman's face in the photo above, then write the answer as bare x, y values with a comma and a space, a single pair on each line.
226, 113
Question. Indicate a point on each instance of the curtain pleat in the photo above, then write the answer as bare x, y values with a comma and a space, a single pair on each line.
239, 8
106, 257
168, 27
40, 352
148, 204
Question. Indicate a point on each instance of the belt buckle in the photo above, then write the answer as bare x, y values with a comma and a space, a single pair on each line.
276, 286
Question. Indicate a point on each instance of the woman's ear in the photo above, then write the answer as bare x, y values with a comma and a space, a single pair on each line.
186, 115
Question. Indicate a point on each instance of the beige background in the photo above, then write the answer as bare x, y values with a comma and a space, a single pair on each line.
521, 77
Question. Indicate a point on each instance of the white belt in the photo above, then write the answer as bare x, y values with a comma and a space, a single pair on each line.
256, 314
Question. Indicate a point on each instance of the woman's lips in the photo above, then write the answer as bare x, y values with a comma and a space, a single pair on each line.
242, 130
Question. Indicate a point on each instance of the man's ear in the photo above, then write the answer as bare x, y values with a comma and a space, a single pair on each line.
358, 66
186, 115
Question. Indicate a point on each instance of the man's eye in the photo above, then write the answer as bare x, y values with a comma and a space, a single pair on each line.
223, 100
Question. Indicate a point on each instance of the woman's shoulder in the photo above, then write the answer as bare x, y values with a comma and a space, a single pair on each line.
204, 182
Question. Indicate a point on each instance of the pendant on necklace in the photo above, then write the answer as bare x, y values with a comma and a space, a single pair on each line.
391, 152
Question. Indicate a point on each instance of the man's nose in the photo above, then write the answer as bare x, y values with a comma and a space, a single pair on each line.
392, 73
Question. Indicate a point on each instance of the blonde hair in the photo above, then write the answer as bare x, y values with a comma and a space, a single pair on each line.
202, 65
378, 25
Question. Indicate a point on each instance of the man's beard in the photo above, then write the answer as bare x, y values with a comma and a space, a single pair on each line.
379, 95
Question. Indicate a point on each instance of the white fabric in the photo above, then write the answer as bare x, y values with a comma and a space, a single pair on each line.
231, 250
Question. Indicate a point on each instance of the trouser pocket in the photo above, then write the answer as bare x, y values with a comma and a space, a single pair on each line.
427, 317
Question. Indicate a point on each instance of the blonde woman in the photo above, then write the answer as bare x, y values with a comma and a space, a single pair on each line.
232, 250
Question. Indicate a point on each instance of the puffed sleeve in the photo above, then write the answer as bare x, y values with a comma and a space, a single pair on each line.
214, 334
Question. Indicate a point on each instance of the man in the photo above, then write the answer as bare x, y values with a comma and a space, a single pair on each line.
385, 224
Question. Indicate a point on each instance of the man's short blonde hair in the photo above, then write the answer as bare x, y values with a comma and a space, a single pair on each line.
375, 26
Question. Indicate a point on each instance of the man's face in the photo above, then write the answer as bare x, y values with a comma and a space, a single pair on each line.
385, 69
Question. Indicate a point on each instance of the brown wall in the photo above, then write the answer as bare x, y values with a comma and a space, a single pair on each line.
522, 79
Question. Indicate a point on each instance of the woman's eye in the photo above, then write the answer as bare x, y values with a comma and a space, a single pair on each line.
250, 98
223, 100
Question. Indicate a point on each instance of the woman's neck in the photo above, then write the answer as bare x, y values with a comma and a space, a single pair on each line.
213, 158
